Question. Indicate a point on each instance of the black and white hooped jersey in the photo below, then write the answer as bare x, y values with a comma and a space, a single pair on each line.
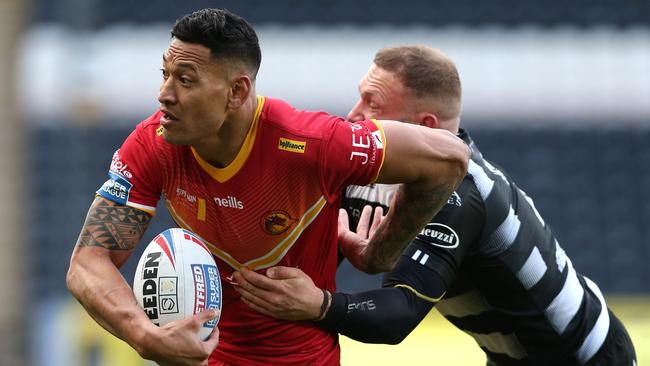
500, 274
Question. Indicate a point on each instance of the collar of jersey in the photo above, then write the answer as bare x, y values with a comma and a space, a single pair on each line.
223, 174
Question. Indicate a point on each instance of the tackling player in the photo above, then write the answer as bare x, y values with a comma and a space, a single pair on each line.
259, 181
488, 261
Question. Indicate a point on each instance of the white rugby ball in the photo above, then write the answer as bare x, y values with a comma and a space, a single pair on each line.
177, 277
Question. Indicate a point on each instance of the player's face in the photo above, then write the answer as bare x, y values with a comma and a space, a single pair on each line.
383, 96
193, 94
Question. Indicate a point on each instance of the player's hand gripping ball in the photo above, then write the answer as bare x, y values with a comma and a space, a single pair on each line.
177, 277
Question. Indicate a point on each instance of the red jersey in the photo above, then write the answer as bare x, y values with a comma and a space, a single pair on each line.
276, 203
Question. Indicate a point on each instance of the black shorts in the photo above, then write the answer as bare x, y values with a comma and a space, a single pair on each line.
617, 348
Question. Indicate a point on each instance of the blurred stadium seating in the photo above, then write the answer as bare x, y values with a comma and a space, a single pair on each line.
589, 177
584, 182
94, 13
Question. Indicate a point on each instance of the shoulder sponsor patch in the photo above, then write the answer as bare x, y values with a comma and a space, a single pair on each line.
120, 167
439, 235
292, 145
116, 188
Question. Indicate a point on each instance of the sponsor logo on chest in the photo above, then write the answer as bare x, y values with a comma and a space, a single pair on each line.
440, 235
229, 202
184, 194
292, 145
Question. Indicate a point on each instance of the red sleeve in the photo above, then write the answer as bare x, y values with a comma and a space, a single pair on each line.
135, 178
353, 154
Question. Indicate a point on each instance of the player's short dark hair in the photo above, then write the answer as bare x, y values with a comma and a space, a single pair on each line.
426, 72
227, 35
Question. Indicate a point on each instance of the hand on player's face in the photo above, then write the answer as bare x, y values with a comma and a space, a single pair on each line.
177, 343
283, 293
354, 244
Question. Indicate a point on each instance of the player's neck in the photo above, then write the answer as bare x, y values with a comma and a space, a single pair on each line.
220, 150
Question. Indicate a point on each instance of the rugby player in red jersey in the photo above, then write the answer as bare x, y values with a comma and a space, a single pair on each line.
260, 182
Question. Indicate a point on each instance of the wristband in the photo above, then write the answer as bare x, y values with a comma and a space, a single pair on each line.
336, 312
323, 305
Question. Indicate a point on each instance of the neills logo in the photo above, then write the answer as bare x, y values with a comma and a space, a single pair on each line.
230, 202
292, 145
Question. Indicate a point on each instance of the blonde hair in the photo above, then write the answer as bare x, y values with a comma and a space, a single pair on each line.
427, 72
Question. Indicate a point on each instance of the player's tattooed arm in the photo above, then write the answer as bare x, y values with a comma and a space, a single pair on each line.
113, 226
105, 243
411, 210
378, 241
417, 208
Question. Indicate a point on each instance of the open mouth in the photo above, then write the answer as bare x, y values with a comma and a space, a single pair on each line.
167, 118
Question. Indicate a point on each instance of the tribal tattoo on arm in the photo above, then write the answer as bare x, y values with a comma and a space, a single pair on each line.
113, 226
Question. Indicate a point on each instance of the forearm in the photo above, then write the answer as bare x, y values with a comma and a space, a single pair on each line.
98, 285
412, 208
108, 236
437, 162
385, 315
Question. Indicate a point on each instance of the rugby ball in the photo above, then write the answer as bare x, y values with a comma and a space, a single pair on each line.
177, 277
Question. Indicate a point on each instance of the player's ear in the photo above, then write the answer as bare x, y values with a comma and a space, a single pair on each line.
240, 90
428, 119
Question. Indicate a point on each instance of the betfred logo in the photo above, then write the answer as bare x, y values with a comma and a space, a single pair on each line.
207, 287
199, 288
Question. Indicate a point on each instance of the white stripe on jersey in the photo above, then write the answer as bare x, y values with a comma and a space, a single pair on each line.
533, 270
596, 336
481, 180
567, 303
560, 256
377, 193
504, 235
416, 256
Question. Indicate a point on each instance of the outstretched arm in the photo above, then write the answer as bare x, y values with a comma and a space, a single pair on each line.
430, 163
108, 237
385, 315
